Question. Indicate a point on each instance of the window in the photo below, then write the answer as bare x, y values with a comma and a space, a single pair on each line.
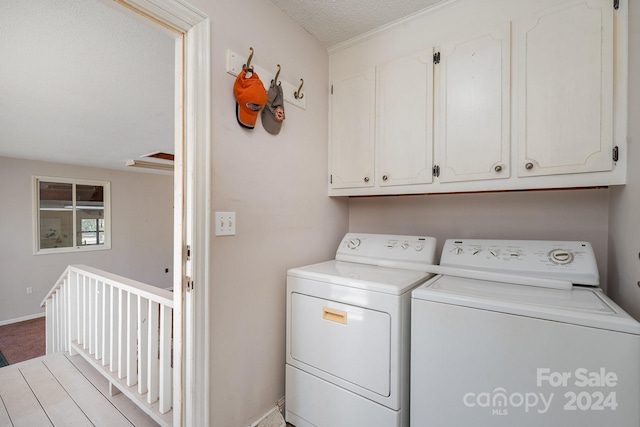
71, 215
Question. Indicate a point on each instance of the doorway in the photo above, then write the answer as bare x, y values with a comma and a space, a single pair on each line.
192, 177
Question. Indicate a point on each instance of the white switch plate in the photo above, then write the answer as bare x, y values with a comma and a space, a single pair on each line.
225, 223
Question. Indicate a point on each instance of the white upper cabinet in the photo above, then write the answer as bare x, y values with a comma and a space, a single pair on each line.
352, 131
483, 95
405, 120
565, 95
473, 106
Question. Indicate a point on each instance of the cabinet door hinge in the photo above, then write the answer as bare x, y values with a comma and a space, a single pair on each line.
189, 284
330, 179
436, 58
436, 171
616, 4
615, 153
188, 253
331, 89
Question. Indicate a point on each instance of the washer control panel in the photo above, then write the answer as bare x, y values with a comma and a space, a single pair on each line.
387, 250
565, 260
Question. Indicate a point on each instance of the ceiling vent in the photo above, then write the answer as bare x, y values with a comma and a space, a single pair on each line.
160, 155
164, 161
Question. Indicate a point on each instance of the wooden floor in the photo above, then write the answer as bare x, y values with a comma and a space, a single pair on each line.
63, 390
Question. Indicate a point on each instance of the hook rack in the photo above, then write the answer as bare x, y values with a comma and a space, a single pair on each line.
275, 79
236, 63
248, 64
298, 94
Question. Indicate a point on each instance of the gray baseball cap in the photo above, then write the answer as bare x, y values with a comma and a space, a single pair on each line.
273, 111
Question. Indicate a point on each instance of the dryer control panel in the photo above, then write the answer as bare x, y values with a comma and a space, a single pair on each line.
388, 250
563, 260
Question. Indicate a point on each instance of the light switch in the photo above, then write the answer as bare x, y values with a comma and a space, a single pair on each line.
225, 223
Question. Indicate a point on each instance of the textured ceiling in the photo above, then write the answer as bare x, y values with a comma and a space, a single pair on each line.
335, 21
82, 82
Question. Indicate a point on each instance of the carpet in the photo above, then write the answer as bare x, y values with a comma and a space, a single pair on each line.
23, 340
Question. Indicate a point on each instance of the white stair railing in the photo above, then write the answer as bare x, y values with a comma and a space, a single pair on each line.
122, 327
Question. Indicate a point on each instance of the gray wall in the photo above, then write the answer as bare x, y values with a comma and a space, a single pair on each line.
277, 185
541, 215
142, 232
624, 216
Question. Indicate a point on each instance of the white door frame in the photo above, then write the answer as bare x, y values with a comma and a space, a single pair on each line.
192, 204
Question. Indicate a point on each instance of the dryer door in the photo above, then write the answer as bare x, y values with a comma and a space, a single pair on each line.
348, 342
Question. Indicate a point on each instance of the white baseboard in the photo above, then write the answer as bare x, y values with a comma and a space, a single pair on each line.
273, 418
21, 319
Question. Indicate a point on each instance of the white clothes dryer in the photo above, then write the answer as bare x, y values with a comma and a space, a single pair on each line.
347, 332
489, 352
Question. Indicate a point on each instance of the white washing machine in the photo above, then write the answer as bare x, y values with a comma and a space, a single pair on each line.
347, 344
489, 352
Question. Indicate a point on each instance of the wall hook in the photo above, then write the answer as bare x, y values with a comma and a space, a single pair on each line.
248, 64
275, 79
298, 94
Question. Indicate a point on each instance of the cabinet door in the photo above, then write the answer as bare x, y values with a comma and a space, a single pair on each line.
352, 130
405, 120
565, 83
473, 109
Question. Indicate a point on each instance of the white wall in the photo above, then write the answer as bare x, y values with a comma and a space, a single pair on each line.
277, 185
142, 232
624, 237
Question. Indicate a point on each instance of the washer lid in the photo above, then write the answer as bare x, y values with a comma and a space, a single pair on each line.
581, 306
392, 281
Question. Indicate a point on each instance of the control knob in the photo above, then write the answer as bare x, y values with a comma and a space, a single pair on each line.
353, 243
561, 256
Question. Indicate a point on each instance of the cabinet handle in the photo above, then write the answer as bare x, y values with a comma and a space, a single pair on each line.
385, 177
498, 168
366, 179
528, 166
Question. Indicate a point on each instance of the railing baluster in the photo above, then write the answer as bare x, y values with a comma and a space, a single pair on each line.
132, 335
143, 344
122, 334
153, 331
49, 326
62, 300
86, 308
97, 319
71, 285
115, 329
92, 316
106, 324
58, 322
54, 330
74, 308
165, 391
80, 302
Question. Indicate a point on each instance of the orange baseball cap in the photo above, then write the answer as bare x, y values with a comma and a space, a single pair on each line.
251, 96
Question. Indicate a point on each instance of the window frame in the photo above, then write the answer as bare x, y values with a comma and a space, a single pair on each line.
106, 186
